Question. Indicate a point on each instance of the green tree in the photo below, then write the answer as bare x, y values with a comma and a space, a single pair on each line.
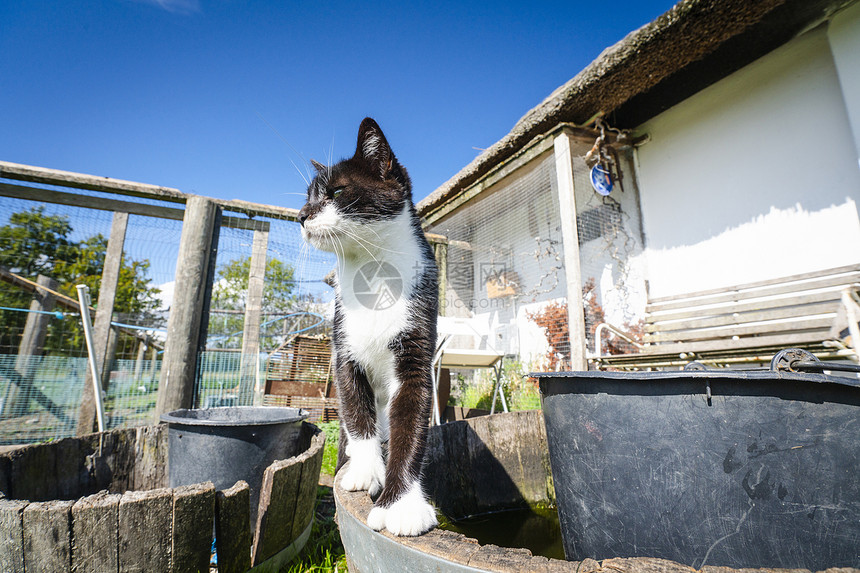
34, 243
230, 293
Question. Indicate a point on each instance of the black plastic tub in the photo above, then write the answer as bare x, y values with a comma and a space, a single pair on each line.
224, 445
717, 467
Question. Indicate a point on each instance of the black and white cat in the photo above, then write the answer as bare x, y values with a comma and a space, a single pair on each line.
384, 324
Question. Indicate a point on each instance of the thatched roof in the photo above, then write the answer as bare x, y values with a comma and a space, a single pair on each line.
693, 45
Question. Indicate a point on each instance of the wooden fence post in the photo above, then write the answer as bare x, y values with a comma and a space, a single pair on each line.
32, 345
190, 298
570, 238
253, 311
101, 325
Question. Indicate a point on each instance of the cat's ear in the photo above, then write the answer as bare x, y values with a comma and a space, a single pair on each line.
373, 147
319, 166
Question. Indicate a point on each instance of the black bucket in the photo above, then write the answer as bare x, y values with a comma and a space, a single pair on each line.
224, 445
718, 467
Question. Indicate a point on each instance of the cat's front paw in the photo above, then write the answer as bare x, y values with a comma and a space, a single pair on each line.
410, 515
364, 474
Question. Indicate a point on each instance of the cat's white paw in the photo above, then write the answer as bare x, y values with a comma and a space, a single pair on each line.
376, 518
409, 515
366, 469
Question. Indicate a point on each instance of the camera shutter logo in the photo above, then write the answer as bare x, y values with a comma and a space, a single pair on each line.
377, 286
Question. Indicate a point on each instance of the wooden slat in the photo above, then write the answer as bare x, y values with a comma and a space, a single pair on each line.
821, 324
233, 528
737, 318
764, 283
94, 533
278, 495
145, 536
193, 518
48, 537
786, 340
838, 282
12, 539
830, 296
311, 462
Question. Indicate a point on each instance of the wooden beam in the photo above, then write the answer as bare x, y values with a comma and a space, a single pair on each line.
179, 367
108, 185
91, 182
104, 204
570, 238
253, 310
104, 316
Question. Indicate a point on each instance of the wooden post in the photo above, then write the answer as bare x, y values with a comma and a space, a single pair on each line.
570, 238
101, 325
253, 310
440, 250
32, 345
179, 365
142, 345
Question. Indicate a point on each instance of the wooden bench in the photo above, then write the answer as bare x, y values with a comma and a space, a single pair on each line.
742, 324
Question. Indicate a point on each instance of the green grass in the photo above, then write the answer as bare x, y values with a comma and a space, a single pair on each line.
332, 435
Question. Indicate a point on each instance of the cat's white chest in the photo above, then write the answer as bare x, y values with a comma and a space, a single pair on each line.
375, 294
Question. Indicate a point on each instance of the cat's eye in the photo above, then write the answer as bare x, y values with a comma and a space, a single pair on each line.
337, 191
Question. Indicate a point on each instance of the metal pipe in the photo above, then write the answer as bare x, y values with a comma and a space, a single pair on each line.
598, 347
84, 300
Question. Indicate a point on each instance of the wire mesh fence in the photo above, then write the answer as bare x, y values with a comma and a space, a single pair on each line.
47, 248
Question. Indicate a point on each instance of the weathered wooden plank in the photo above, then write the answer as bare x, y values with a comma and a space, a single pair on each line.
32, 473
12, 540
233, 529
68, 468
501, 559
784, 340
770, 328
730, 295
800, 300
145, 524
493, 487
533, 473
278, 496
101, 325
733, 317
95, 538
5, 476
91, 182
763, 283
505, 449
47, 537
193, 521
311, 462
150, 461
253, 310
564, 169
176, 387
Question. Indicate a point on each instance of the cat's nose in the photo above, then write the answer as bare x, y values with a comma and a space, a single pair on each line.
303, 215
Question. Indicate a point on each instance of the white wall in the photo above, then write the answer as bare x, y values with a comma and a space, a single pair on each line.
757, 176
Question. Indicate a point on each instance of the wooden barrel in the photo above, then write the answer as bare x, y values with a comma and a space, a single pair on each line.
100, 503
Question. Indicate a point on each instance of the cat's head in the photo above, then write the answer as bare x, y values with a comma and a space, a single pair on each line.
363, 191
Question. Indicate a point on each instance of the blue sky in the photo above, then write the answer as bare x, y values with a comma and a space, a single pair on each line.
215, 97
